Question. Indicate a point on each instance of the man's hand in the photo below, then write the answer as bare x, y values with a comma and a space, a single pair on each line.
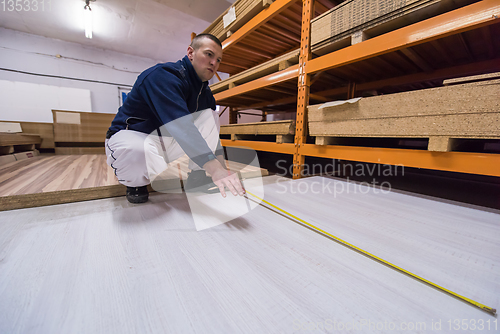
224, 178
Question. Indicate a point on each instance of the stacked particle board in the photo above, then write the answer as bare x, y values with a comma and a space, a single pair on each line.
283, 130
441, 114
44, 130
11, 142
244, 10
80, 132
361, 19
271, 66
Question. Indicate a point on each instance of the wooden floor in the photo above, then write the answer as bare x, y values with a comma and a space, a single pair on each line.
108, 266
57, 179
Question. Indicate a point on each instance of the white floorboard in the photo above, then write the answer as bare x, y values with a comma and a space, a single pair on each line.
108, 266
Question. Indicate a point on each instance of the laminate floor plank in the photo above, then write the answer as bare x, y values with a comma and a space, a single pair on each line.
48, 180
108, 266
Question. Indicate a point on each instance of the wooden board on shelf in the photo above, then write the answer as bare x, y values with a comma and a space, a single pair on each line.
354, 21
44, 130
244, 10
286, 127
259, 71
10, 139
460, 111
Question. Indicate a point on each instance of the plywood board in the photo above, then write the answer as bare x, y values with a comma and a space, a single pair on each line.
285, 127
92, 127
462, 111
44, 130
115, 267
473, 78
11, 139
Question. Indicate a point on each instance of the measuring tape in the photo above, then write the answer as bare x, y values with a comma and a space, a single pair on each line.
485, 308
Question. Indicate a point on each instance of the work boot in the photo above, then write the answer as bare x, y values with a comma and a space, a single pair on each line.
198, 181
137, 194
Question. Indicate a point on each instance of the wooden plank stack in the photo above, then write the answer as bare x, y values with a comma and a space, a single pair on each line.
283, 130
441, 114
9, 142
80, 132
356, 20
244, 10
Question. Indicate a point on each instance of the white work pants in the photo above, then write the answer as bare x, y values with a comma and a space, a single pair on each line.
138, 158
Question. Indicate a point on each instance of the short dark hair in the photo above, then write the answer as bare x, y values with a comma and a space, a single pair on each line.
196, 41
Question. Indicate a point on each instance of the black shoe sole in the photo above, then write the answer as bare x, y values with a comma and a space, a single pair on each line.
137, 199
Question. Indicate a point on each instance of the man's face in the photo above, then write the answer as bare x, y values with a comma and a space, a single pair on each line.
206, 58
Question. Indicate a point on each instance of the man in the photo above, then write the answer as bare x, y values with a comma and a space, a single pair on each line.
169, 112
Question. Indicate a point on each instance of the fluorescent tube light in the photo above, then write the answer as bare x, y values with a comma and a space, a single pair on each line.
87, 16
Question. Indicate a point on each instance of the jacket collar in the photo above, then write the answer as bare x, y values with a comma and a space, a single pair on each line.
191, 73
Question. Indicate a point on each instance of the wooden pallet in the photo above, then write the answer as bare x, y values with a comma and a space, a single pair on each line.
441, 114
282, 130
354, 21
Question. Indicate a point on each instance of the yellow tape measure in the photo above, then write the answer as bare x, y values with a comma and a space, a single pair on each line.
470, 301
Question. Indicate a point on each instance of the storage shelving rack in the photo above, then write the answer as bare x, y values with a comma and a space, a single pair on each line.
457, 43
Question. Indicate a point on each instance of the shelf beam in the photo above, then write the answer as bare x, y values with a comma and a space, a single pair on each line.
482, 13
260, 146
271, 79
265, 15
461, 162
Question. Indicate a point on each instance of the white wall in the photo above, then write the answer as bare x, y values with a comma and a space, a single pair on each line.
35, 54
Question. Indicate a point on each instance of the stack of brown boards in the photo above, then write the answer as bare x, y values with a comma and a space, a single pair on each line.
244, 10
80, 132
283, 130
356, 20
440, 114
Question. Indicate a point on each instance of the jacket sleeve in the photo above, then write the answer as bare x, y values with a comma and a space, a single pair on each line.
164, 93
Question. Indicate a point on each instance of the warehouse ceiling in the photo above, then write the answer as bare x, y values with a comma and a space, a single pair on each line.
156, 29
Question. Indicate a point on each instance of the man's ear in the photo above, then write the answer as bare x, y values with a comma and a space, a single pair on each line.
190, 52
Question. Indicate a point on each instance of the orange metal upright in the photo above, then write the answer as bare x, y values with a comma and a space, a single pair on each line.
304, 85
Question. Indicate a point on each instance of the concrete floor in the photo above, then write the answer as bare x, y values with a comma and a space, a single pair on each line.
108, 266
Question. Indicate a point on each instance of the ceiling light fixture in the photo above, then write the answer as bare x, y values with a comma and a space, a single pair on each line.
87, 17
